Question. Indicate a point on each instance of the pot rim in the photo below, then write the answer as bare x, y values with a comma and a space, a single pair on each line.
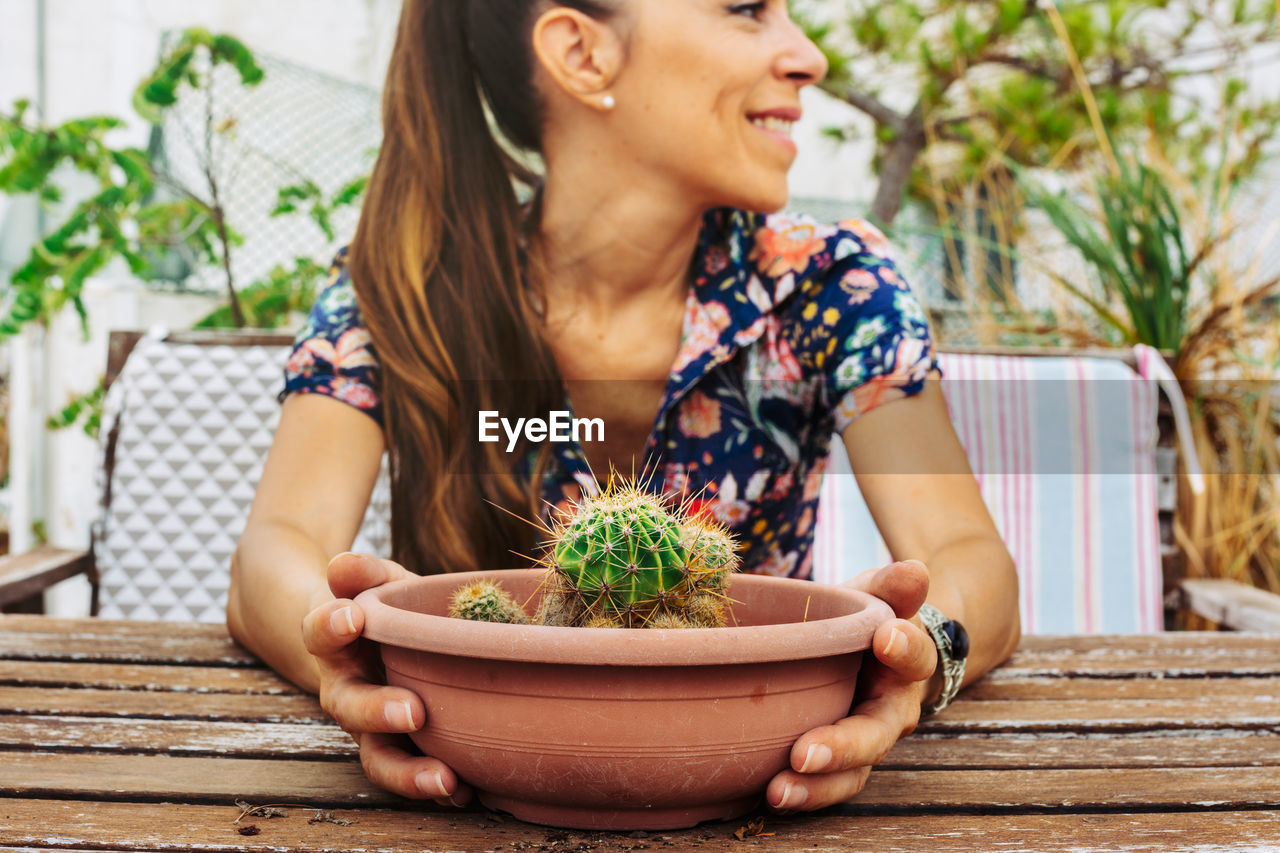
648, 647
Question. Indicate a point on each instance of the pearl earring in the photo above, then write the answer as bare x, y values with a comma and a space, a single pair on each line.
609, 102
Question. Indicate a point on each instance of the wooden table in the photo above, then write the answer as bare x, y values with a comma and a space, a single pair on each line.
136, 736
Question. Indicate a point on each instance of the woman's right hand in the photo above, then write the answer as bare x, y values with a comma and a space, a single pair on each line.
352, 692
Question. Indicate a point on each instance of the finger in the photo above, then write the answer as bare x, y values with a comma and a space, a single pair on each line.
902, 585
389, 766
905, 649
359, 706
331, 628
351, 574
790, 792
864, 738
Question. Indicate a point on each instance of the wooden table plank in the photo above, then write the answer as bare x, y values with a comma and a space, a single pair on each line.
44, 825
178, 737
38, 624
176, 650
341, 783
151, 677
963, 716
162, 778
60, 701
1047, 750
24, 637
1001, 685
1168, 641
1118, 715
1179, 654
919, 751
1112, 789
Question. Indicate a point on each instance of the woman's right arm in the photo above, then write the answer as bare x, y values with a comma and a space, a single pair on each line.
309, 504
292, 585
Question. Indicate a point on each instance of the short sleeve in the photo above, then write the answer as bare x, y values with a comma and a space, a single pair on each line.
332, 352
877, 343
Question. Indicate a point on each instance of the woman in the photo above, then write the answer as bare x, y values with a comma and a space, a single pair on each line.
734, 344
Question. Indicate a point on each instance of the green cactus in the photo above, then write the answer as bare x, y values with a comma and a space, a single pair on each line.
624, 558
484, 601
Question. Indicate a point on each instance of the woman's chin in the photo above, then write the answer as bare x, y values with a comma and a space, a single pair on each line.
761, 202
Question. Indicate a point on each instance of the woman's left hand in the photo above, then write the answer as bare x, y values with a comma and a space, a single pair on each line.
831, 764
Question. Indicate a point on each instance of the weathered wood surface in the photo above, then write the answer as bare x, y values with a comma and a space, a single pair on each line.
154, 677
1093, 750
136, 737
165, 778
56, 701
1050, 688
60, 825
41, 638
24, 575
1231, 603
174, 737
161, 778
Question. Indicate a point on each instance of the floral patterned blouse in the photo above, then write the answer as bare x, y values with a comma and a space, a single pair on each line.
792, 331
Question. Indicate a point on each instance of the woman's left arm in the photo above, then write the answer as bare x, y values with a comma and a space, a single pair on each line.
917, 483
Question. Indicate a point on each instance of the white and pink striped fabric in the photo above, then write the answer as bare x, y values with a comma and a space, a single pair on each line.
1064, 453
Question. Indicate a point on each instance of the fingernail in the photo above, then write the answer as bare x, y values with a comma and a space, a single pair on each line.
894, 636
341, 621
817, 758
792, 797
431, 783
400, 716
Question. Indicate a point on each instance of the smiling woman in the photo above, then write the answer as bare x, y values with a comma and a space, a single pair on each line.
647, 281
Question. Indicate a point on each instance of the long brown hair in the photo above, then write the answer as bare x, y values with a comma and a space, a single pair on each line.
436, 266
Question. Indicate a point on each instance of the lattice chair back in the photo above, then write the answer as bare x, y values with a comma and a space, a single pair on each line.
186, 428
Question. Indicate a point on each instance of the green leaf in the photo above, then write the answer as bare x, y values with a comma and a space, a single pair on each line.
136, 168
229, 49
87, 408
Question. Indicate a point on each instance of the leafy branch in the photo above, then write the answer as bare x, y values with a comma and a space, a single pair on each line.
116, 220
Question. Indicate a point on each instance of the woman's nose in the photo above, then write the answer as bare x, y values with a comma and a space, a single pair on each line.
801, 60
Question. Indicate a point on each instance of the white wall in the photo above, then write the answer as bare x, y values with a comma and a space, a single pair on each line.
99, 49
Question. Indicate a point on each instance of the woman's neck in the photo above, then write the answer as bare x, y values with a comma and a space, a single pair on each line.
606, 244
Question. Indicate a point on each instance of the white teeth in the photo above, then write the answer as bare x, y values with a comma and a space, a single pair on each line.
776, 124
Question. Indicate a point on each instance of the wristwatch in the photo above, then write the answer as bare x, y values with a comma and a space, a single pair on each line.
953, 647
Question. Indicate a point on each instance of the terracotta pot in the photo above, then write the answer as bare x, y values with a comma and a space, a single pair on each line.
600, 728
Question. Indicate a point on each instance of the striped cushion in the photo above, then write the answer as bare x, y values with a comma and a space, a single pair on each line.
1064, 453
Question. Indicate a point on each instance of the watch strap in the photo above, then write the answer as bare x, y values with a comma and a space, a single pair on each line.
950, 659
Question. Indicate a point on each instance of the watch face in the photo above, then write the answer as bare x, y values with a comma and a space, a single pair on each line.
959, 638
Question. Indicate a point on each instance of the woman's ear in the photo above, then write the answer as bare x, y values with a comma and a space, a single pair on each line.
581, 55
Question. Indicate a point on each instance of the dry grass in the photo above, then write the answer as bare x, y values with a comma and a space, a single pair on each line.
1227, 363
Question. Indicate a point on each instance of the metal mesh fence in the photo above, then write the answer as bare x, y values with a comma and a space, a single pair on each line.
1258, 217
297, 125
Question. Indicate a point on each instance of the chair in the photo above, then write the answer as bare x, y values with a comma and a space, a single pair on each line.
187, 423
1065, 447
